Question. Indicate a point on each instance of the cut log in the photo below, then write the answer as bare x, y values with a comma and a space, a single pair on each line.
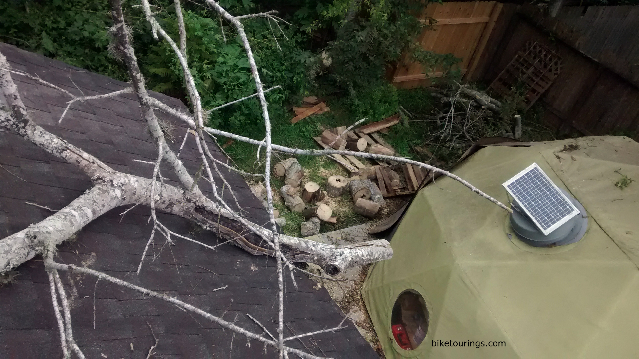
376, 126
340, 130
321, 211
380, 150
359, 144
335, 186
331, 139
280, 168
367, 173
294, 174
366, 208
360, 189
310, 227
310, 192
293, 202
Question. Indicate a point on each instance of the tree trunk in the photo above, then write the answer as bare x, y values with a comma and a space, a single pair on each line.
280, 168
360, 189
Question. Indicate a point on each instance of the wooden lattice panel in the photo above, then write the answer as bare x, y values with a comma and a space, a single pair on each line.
531, 72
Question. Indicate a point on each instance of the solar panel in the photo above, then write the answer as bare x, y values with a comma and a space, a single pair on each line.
541, 199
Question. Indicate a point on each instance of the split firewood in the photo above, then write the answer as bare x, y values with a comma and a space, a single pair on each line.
321, 211
360, 189
366, 208
335, 186
276, 213
380, 150
332, 220
292, 200
359, 144
310, 227
310, 192
294, 174
331, 139
280, 168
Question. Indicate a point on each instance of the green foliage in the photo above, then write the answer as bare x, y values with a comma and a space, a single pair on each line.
360, 39
431, 62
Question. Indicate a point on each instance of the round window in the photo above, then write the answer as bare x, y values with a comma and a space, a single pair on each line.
409, 320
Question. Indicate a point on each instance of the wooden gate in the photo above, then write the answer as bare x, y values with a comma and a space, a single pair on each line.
458, 28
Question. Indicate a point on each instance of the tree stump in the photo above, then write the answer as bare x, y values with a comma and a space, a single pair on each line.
366, 208
292, 200
359, 144
311, 192
294, 174
331, 139
310, 227
380, 150
335, 186
322, 211
280, 168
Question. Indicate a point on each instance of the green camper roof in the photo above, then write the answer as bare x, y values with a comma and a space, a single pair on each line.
480, 283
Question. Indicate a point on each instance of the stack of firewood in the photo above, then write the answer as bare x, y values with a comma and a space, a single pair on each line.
304, 199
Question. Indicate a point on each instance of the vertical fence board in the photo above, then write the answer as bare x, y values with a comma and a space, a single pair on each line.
458, 29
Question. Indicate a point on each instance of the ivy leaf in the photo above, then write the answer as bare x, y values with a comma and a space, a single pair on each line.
47, 43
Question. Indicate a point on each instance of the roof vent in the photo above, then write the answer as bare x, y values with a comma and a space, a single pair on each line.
544, 215
570, 232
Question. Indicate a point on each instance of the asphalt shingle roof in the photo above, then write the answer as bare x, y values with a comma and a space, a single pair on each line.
115, 322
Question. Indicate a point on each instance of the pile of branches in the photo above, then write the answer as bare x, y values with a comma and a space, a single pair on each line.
461, 116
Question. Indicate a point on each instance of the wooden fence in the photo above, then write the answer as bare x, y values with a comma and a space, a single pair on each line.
591, 95
459, 28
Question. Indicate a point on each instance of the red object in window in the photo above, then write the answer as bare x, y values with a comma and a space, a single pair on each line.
401, 337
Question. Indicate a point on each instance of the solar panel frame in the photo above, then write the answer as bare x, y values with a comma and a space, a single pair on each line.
550, 188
